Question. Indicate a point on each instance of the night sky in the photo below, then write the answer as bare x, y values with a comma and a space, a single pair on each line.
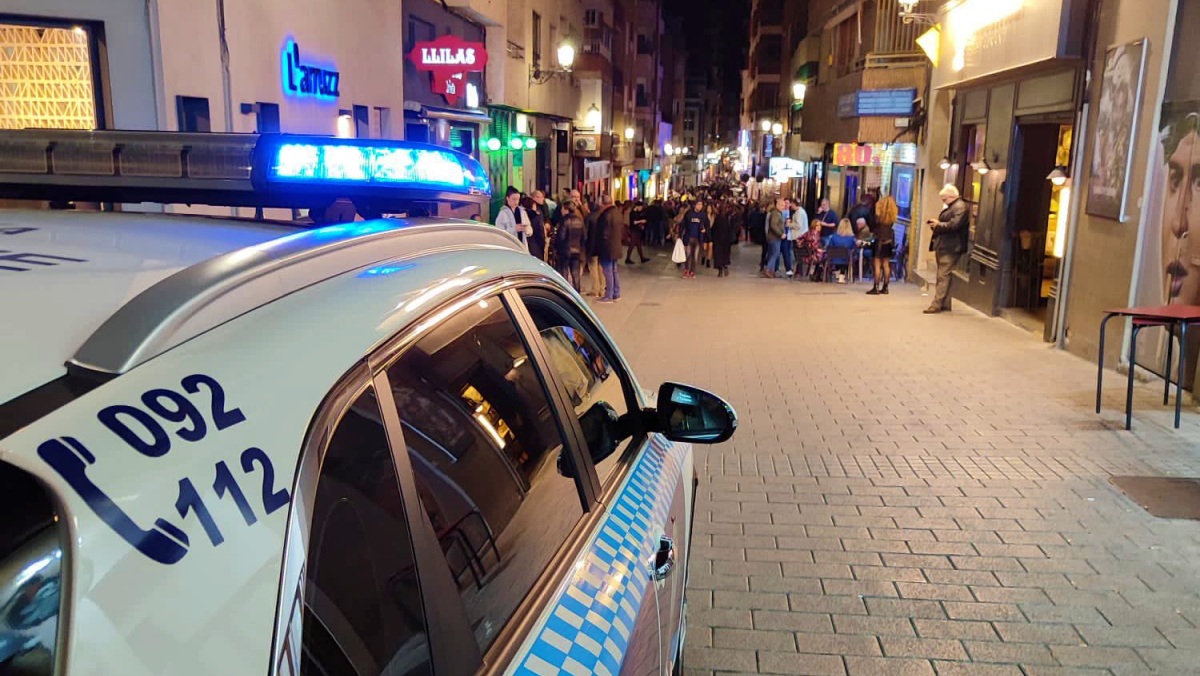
716, 34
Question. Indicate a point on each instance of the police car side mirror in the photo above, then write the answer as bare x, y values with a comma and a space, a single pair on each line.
690, 414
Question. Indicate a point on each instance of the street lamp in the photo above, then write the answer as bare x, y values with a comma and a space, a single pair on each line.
566, 55
566, 59
668, 150
593, 118
629, 133
777, 129
909, 14
766, 126
799, 89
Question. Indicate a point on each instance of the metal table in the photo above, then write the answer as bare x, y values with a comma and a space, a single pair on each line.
1167, 316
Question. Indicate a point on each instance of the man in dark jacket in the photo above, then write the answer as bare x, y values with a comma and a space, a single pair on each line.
950, 232
775, 234
694, 229
594, 239
611, 227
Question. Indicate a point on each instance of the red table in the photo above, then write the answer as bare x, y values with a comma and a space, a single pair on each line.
1169, 316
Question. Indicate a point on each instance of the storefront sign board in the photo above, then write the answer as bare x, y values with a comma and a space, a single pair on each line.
448, 59
305, 79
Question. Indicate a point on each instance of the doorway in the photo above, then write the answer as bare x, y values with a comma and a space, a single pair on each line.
1035, 250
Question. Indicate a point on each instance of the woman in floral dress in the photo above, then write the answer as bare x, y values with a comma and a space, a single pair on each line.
809, 252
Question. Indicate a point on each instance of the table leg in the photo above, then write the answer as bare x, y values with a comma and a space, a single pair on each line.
1167, 371
1137, 328
1183, 329
1100, 361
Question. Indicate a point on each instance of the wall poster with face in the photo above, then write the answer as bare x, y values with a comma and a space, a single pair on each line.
1170, 265
1112, 153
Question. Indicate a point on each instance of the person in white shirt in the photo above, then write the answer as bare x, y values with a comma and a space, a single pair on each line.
512, 218
795, 227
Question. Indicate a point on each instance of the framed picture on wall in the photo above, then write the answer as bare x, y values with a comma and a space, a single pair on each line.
1116, 124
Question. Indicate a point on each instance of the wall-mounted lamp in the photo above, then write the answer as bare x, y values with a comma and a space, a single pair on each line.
944, 164
766, 126
668, 149
1058, 176
566, 59
777, 128
593, 118
799, 89
629, 133
982, 168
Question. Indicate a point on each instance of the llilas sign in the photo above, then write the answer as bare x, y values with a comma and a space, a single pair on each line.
448, 59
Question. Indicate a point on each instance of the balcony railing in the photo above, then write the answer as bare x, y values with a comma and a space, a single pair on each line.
892, 35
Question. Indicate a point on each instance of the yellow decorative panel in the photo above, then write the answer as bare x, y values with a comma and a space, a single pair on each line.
45, 78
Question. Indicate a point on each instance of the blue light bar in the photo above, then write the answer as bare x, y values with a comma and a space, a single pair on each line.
318, 161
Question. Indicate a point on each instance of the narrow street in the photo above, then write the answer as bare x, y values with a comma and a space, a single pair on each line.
913, 494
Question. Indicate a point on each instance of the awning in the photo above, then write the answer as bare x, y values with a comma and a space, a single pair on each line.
451, 114
531, 113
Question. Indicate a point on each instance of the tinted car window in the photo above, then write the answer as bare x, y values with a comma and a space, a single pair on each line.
363, 613
592, 381
484, 443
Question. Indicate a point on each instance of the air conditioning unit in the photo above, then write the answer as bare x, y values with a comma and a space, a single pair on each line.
587, 145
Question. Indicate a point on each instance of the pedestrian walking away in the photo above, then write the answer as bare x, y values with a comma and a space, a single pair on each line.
638, 221
569, 245
884, 246
948, 243
595, 240
724, 235
612, 228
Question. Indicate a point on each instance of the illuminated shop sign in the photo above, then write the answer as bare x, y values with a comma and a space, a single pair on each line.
306, 80
886, 102
448, 60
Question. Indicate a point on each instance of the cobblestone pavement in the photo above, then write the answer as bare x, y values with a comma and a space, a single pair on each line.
913, 494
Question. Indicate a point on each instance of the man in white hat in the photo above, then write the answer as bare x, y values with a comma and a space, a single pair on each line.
950, 232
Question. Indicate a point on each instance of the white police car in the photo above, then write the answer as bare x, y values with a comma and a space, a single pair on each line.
392, 446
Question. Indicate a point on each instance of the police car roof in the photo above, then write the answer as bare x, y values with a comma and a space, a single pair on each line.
107, 291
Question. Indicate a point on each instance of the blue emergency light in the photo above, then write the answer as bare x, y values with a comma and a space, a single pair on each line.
381, 164
377, 176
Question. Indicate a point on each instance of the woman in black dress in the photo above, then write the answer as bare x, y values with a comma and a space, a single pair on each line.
723, 234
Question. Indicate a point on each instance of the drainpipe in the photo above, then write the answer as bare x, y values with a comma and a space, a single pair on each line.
1064, 283
157, 85
226, 82
1080, 135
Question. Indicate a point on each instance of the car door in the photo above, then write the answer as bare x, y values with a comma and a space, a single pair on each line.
483, 442
649, 501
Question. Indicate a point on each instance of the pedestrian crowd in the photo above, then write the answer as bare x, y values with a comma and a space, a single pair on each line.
588, 236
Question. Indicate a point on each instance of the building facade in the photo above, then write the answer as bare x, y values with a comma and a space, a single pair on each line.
864, 106
235, 68
1011, 102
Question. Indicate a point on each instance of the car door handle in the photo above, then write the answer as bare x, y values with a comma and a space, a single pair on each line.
664, 559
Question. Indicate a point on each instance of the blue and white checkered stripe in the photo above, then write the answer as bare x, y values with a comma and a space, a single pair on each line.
587, 626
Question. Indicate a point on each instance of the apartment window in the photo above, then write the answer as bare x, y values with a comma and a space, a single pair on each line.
381, 121
537, 39
362, 122
593, 17
418, 31
193, 113
644, 44
845, 44
641, 98
266, 118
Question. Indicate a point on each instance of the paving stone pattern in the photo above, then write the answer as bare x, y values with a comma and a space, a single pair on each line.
911, 494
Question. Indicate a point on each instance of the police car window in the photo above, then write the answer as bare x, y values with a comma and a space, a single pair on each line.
363, 613
598, 390
484, 442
